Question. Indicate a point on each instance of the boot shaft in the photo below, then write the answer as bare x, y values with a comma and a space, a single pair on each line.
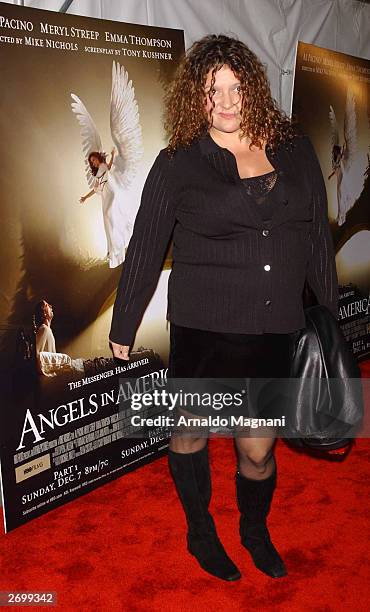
191, 474
254, 496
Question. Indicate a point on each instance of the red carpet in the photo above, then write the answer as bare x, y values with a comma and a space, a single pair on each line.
122, 547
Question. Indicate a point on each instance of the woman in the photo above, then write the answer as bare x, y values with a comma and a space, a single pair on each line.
117, 226
243, 194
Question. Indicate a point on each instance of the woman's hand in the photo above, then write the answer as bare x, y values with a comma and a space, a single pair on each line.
111, 158
120, 350
88, 195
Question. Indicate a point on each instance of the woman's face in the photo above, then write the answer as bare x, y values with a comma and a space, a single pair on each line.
227, 99
95, 162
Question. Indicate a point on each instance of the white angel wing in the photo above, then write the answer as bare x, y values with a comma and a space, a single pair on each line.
350, 131
125, 126
90, 138
334, 128
354, 159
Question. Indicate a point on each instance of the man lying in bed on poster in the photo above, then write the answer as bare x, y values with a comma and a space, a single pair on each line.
49, 361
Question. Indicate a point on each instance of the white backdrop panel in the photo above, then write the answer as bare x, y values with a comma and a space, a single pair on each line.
270, 27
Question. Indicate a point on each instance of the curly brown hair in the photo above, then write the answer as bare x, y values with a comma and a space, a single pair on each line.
100, 156
185, 99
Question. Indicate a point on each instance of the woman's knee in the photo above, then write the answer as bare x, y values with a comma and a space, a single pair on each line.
259, 457
187, 444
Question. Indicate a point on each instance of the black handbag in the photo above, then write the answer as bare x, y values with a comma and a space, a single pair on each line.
325, 394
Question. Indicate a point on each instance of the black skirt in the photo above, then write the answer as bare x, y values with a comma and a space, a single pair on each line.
201, 353
263, 359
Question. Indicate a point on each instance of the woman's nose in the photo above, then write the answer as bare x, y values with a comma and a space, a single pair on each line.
226, 101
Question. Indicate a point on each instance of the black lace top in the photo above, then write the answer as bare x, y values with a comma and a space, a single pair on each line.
259, 188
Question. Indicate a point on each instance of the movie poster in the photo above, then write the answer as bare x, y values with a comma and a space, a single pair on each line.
331, 100
81, 124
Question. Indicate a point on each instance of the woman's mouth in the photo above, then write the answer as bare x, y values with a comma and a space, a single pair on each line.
226, 115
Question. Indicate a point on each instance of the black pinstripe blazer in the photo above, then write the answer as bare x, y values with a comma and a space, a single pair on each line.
232, 271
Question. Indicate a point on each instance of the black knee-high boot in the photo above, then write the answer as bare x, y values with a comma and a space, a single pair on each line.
254, 500
191, 474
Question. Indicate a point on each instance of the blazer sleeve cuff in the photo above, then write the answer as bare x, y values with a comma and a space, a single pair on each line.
121, 330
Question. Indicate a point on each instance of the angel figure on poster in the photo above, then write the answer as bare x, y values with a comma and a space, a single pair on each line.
348, 163
112, 179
